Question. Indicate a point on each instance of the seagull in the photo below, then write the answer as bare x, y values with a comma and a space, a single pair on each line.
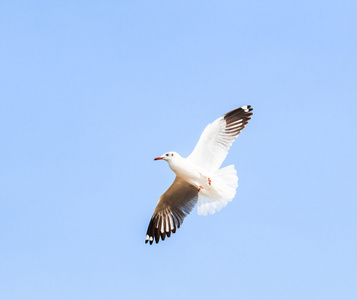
199, 179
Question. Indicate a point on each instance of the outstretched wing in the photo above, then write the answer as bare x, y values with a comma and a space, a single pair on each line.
215, 141
173, 206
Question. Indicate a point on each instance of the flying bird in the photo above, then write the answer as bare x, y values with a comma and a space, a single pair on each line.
199, 178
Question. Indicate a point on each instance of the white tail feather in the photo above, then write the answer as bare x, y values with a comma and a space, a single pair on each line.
222, 190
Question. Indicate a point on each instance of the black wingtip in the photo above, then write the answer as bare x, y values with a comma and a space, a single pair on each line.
237, 119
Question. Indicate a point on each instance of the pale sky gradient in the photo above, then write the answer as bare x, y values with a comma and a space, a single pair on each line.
92, 91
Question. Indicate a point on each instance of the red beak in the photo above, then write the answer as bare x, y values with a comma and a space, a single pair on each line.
157, 158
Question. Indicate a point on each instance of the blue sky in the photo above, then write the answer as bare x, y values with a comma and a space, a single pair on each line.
91, 92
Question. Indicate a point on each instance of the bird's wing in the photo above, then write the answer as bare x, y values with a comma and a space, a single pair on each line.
173, 206
215, 141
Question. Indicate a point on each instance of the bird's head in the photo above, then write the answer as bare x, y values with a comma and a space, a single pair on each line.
168, 156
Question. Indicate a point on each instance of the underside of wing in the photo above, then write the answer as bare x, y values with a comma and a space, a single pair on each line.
215, 141
173, 206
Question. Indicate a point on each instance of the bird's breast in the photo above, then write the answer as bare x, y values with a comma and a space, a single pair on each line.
187, 171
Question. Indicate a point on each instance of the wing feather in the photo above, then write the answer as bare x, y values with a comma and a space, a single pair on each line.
215, 141
173, 206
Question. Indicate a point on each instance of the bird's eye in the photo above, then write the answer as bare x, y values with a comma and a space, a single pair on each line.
172, 154
167, 154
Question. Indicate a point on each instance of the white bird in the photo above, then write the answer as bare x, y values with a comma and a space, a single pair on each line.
199, 178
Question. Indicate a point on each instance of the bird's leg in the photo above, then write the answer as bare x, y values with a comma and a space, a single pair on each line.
197, 185
208, 180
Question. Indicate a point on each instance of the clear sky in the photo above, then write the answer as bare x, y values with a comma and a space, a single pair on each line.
92, 91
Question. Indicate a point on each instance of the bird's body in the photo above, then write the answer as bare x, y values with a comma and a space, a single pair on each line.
188, 171
199, 178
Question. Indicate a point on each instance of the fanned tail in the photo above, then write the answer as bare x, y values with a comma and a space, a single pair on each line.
222, 191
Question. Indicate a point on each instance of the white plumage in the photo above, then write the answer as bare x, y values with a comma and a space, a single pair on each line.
199, 177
